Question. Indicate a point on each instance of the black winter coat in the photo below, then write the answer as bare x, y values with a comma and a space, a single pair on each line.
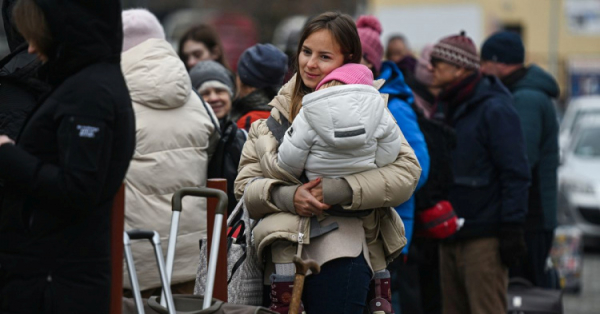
66, 167
489, 163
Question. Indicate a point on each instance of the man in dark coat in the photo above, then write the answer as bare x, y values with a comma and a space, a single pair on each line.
491, 178
533, 89
260, 74
66, 166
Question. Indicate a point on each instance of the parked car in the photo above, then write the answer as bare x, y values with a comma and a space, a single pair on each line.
579, 178
578, 108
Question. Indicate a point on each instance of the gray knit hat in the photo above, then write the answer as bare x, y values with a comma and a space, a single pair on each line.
207, 72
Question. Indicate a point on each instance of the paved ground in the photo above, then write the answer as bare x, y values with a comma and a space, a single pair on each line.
588, 300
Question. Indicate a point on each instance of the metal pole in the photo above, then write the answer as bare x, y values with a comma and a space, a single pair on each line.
554, 34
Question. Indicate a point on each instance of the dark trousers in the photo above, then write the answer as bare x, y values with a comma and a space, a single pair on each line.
533, 265
416, 280
341, 287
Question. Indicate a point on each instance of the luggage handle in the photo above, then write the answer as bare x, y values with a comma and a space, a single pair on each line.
154, 238
221, 209
519, 281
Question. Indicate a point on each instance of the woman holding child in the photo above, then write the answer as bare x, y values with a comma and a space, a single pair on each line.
330, 216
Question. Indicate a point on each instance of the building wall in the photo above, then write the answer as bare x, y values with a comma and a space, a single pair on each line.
544, 23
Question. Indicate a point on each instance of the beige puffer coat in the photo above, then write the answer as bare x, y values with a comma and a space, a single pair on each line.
173, 132
382, 187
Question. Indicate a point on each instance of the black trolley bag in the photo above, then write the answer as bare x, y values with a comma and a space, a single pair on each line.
524, 298
197, 304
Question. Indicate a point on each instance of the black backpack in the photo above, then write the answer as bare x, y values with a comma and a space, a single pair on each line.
226, 158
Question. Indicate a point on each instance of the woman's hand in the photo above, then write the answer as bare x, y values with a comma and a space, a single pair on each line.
317, 191
5, 140
305, 203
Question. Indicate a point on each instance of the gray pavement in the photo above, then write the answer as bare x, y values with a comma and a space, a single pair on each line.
588, 300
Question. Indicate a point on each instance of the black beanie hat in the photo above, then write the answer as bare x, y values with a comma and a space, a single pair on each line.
262, 65
504, 47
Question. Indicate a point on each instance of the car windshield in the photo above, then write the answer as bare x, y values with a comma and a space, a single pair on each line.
588, 144
581, 114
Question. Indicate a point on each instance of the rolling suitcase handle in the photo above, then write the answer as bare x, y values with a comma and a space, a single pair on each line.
216, 237
154, 239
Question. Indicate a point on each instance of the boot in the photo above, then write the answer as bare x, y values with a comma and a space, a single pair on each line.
281, 294
380, 294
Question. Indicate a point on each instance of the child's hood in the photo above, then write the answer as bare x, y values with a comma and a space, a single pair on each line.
344, 116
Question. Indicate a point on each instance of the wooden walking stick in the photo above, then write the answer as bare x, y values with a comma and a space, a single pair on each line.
302, 267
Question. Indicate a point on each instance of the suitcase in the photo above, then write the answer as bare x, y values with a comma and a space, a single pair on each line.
154, 239
188, 304
567, 256
524, 298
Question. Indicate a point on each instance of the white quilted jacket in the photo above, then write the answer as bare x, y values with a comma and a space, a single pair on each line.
340, 131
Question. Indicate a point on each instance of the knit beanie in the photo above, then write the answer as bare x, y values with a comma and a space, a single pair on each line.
350, 73
504, 47
422, 72
262, 65
209, 71
369, 30
140, 25
458, 50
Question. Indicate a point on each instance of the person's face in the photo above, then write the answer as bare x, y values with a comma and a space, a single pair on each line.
219, 99
320, 54
195, 51
33, 49
444, 74
491, 68
397, 50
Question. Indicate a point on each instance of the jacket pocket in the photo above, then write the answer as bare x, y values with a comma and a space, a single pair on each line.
472, 181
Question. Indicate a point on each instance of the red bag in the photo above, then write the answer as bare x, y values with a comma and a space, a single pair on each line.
437, 222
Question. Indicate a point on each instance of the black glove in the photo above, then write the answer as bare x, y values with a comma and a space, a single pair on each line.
512, 244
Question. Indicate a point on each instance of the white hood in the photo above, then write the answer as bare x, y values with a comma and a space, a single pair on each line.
344, 116
155, 75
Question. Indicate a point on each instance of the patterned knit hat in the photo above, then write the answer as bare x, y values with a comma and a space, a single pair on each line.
458, 50
369, 30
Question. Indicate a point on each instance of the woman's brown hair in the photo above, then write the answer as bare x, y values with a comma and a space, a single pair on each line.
342, 28
207, 35
31, 23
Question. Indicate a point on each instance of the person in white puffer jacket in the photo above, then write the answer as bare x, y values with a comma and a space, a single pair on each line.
174, 140
342, 130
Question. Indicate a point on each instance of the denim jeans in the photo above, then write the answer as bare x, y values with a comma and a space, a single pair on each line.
341, 287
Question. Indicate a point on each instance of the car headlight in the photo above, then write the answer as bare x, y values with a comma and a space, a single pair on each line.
580, 187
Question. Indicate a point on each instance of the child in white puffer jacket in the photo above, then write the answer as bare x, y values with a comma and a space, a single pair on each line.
342, 130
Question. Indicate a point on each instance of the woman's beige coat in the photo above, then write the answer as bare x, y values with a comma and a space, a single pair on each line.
387, 187
173, 132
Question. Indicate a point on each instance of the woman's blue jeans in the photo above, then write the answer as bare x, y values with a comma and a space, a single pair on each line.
341, 287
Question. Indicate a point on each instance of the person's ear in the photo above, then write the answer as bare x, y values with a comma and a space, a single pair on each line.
216, 52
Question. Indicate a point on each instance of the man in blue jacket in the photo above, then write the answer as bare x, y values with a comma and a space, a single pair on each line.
533, 90
491, 178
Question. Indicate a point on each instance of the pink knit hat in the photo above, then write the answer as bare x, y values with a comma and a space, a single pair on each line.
140, 25
350, 73
369, 30
422, 72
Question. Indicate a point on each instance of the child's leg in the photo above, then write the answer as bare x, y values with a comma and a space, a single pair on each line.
282, 281
380, 296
